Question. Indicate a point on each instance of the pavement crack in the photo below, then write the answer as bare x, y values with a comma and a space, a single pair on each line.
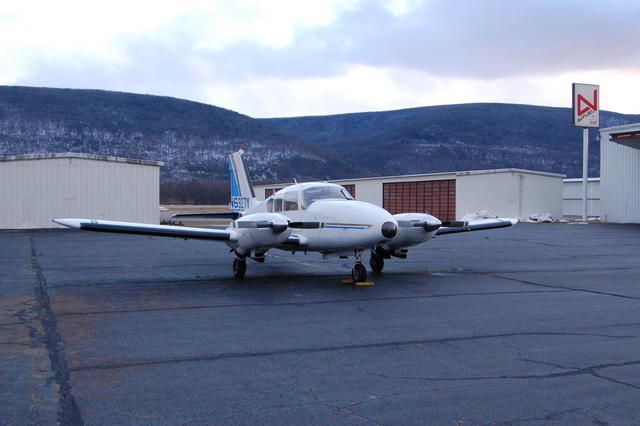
115, 364
69, 412
300, 303
539, 243
591, 371
521, 281
8, 324
622, 324
619, 382
550, 416
549, 364
9, 343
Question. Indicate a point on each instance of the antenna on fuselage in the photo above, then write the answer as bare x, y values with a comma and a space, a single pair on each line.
295, 181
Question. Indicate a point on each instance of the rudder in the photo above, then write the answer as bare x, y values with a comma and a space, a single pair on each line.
242, 195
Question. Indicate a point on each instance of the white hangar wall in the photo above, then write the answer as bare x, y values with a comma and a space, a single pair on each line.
34, 189
505, 192
509, 192
620, 173
572, 198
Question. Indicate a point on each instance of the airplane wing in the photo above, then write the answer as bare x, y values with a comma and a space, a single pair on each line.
211, 216
149, 229
476, 225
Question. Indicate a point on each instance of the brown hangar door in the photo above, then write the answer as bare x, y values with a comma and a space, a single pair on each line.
351, 189
436, 197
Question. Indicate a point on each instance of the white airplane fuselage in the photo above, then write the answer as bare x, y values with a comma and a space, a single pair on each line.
341, 224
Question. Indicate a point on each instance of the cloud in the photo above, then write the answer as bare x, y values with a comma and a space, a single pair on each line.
290, 58
474, 39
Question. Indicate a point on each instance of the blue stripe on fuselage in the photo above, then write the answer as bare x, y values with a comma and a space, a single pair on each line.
345, 227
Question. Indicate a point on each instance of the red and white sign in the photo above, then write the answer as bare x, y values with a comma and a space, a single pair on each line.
586, 105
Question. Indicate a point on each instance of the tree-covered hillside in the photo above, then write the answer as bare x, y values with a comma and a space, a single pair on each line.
454, 137
193, 139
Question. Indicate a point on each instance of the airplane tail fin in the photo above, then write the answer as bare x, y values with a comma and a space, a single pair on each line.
242, 195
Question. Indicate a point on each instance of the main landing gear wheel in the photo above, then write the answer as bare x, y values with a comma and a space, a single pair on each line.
376, 262
359, 273
239, 268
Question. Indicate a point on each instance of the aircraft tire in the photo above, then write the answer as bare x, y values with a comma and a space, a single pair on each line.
239, 268
376, 262
359, 273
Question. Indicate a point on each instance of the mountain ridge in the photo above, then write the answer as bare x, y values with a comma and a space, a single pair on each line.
193, 139
456, 137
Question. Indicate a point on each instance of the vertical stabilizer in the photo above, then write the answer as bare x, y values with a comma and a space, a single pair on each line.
242, 195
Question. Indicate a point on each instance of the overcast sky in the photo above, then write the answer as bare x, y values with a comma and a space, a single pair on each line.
285, 58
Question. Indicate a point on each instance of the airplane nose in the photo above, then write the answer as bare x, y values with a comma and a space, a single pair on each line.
389, 229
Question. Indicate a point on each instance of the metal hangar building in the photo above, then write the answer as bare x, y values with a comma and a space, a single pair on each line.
450, 196
620, 173
34, 189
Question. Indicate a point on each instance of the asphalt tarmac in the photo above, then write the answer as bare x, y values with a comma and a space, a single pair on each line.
526, 325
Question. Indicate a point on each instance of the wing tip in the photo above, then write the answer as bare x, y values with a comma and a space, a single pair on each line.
69, 223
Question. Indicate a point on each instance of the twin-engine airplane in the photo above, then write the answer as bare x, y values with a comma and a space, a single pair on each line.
317, 216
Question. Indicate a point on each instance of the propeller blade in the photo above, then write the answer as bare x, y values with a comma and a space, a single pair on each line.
428, 227
278, 228
304, 225
455, 224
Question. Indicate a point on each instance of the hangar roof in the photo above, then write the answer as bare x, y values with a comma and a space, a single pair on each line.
76, 155
452, 174
622, 128
628, 134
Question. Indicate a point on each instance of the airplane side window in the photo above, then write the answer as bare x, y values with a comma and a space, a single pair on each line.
277, 204
291, 201
270, 205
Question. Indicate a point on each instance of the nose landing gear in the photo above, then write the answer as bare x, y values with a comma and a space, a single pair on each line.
359, 272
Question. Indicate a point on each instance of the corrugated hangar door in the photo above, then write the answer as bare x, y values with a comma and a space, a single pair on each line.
436, 197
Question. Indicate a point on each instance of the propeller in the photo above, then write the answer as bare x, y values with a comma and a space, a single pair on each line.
455, 224
304, 225
278, 228
428, 227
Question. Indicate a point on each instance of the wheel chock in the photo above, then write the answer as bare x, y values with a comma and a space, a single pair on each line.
359, 284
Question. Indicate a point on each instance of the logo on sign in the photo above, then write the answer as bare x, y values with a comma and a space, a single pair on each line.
585, 105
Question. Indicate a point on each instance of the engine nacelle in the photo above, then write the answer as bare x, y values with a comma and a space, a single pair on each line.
413, 228
260, 230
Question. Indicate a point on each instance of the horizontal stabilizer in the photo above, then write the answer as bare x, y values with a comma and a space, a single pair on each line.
477, 225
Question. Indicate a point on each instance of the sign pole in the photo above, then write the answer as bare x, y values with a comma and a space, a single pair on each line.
586, 113
585, 171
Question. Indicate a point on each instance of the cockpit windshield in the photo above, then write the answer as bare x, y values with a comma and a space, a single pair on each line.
315, 193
